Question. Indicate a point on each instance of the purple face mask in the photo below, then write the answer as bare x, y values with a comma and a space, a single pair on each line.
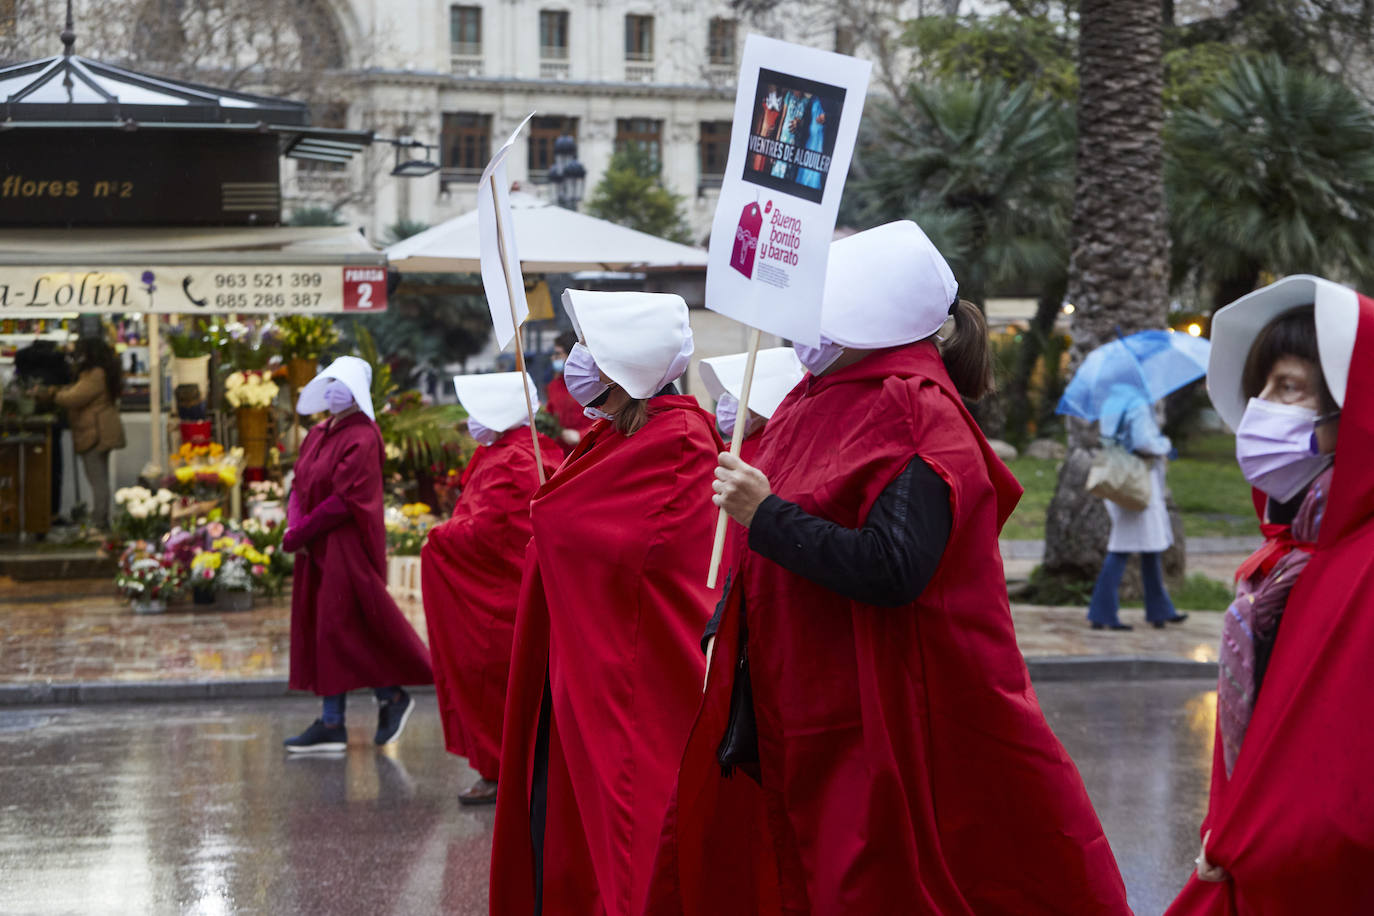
727, 414
582, 376
1276, 448
482, 434
818, 359
337, 397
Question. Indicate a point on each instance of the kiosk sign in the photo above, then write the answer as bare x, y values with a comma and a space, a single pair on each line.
364, 289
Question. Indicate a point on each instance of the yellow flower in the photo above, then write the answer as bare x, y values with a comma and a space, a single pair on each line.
184, 473
229, 476
414, 510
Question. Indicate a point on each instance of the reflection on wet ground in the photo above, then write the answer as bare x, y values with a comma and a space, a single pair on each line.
191, 808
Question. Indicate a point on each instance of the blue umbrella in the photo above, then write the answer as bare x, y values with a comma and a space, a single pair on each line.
1151, 363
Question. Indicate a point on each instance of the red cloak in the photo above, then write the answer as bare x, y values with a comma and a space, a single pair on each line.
1294, 824
470, 571
346, 631
612, 607
565, 409
906, 764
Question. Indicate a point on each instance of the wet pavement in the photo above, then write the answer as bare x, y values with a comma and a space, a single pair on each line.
194, 807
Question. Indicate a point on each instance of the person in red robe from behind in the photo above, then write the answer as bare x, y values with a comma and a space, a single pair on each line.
1290, 821
561, 405
606, 670
470, 571
346, 631
898, 760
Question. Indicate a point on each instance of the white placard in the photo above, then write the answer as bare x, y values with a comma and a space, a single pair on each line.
493, 204
797, 116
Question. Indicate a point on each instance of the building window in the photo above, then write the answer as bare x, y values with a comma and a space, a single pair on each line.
845, 40
553, 34
715, 149
639, 37
644, 133
465, 31
465, 142
543, 132
720, 42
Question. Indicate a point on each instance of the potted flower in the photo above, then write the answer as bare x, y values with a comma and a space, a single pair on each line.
202, 475
148, 579
251, 394
141, 514
406, 530
234, 583
191, 349
304, 340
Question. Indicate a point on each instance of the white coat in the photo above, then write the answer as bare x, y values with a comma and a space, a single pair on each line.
1146, 531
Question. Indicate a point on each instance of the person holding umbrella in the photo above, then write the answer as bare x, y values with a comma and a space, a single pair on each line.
1117, 386
346, 631
470, 571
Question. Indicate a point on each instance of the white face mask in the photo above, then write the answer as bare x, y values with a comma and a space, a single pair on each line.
1276, 447
582, 376
818, 359
595, 413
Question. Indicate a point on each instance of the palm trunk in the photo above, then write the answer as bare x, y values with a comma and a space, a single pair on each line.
1119, 269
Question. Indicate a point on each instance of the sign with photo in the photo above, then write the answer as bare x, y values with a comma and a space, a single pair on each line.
797, 114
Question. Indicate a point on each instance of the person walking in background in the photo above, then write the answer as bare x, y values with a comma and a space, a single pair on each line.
1129, 419
606, 671
92, 406
866, 691
470, 570
1290, 818
346, 631
561, 405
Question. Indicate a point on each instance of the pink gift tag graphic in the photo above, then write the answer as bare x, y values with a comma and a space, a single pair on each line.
746, 240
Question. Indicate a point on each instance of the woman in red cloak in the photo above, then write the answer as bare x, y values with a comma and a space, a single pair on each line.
346, 631
898, 760
605, 669
470, 571
776, 372
561, 405
1290, 821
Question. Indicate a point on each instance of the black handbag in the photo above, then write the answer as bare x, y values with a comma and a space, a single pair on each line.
739, 747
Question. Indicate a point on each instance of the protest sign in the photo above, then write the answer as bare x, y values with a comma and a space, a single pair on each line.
797, 116
502, 279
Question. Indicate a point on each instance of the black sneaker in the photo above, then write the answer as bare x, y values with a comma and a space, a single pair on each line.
318, 738
391, 718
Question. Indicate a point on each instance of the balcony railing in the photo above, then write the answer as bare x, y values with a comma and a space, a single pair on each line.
454, 175
639, 55
553, 52
639, 73
553, 69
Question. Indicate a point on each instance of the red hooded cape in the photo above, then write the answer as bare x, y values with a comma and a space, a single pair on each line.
470, 571
907, 766
346, 631
1294, 824
612, 607
565, 409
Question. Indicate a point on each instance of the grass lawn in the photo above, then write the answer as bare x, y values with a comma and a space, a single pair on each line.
1206, 483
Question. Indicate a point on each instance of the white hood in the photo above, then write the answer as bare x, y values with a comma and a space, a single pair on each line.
1235, 327
642, 341
776, 372
353, 372
885, 287
495, 400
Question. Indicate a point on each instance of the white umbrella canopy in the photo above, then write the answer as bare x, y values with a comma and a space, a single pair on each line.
549, 238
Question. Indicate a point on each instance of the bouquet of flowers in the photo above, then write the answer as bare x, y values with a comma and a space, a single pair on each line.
146, 576
250, 389
141, 514
203, 473
306, 336
407, 527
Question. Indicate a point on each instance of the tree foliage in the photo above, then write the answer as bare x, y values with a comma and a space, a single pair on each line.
631, 193
1272, 172
1012, 49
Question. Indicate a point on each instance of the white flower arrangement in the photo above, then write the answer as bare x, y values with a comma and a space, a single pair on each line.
142, 503
250, 389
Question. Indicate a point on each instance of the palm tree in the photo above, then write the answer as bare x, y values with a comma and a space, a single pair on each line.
1119, 270
988, 172
1273, 171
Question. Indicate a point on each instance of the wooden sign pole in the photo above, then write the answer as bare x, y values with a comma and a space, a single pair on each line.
519, 344
736, 440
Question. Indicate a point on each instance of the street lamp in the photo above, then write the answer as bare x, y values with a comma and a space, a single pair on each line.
567, 175
407, 166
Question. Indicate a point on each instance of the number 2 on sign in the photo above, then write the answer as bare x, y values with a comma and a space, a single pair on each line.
365, 296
